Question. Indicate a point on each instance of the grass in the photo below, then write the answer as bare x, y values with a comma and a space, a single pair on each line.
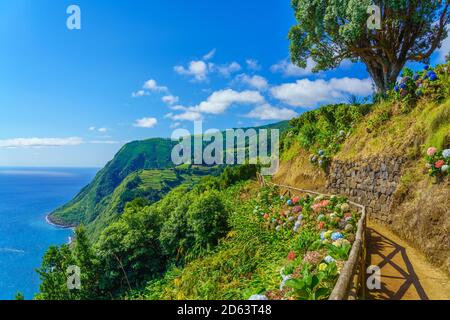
401, 134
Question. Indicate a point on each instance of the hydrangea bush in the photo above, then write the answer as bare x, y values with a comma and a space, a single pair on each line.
430, 82
324, 130
438, 162
324, 231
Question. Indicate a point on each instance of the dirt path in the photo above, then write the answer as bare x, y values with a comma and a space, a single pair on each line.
405, 273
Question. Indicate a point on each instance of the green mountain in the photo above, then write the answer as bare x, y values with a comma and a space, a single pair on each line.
149, 184
136, 155
141, 169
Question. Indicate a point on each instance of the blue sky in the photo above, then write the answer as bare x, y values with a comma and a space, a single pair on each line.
138, 69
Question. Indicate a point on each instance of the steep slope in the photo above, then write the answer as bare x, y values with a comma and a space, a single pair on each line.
382, 164
151, 185
148, 154
85, 207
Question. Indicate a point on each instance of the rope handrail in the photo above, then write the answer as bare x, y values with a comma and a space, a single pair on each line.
357, 257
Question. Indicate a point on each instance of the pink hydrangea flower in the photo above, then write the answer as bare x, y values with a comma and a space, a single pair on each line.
439, 164
291, 256
320, 205
431, 151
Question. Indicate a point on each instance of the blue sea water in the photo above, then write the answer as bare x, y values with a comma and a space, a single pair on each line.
27, 195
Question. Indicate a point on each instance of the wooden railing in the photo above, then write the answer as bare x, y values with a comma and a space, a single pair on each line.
352, 279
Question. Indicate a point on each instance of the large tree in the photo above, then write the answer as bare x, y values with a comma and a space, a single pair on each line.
331, 31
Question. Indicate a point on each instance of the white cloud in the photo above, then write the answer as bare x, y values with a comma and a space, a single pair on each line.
209, 55
219, 101
146, 123
288, 69
216, 103
253, 64
103, 130
268, 112
152, 85
170, 99
227, 69
445, 49
197, 69
200, 69
40, 142
92, 128
185, 116
308, 93
139, 93
255, 81
149, 86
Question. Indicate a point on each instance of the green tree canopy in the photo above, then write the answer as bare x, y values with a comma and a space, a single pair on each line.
331, 31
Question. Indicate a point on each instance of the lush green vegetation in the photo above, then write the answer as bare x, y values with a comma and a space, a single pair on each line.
223, 238
145, 241
271, 240
137, 155
113, 186
148, 185
322, 131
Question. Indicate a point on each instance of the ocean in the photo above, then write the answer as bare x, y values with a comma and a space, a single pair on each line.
27, 195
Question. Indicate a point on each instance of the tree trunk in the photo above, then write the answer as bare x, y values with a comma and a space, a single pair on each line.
383, 75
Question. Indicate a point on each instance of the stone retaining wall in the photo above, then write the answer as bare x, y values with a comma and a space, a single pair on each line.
371, 182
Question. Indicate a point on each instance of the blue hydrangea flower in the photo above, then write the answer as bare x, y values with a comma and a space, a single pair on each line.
431, 73
289, 202
403, 86
396, 89
426, 67
300, 218
336, 235
329, 259
446, 153
416, 77
322, 235
321, 152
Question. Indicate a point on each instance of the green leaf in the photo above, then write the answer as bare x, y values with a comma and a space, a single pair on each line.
297, 284
314, 281
322, 293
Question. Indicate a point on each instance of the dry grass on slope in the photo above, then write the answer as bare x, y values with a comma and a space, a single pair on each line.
297, 170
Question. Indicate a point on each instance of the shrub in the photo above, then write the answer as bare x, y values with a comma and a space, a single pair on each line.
207, 217
438, 162
322, 131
